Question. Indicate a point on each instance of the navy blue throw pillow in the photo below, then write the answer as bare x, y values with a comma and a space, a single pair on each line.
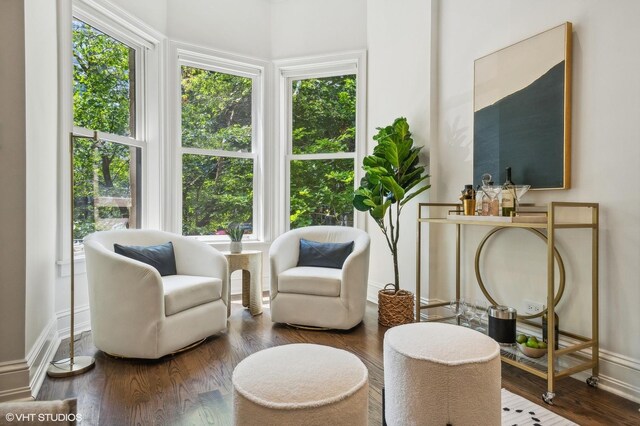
324, 255
160, 257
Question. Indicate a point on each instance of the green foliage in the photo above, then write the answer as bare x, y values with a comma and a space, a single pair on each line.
321, 192
101, 180
215, 191
216, 110
235, 232
216, 113
101, 85
323, 121
101, 101
392, 171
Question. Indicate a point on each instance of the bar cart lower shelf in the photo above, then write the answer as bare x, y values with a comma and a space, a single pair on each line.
582, 353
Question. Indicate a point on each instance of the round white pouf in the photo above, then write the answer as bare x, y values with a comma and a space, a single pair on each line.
301, 384
438, 374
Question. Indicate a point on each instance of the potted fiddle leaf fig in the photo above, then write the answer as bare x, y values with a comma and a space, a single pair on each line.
394, 176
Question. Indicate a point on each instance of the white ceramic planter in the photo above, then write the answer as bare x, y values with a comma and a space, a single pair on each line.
236, 247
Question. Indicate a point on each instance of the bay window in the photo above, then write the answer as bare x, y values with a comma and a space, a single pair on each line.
321, 127
107, 160
219, 133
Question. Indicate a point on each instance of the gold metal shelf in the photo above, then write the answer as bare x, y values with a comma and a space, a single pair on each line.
568, 359
536, 225
482, 223
557, 363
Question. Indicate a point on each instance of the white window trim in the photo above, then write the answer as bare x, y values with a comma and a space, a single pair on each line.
256, 69
316, 67
150, 49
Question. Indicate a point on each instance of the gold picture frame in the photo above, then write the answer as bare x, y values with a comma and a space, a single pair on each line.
522, 111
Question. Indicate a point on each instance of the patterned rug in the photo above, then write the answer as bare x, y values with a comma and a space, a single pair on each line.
517, 411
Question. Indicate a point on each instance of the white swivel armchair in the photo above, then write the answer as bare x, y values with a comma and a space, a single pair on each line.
137, 313
314, 296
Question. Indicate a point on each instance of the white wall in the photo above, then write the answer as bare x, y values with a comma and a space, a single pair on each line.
399, 74
42, 140
151, 12
605, 157
310, 27
240, 27
41, 96
12, 189
28, 135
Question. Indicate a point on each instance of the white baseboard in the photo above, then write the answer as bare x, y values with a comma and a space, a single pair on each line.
613, 367
372, 291
82, 321
22, 379
619, 374
14, 380
236, 283
41, 355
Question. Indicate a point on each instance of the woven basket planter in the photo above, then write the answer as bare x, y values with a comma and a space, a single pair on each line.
394, 308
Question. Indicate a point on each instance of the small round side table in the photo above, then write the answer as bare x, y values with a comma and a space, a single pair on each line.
250, 263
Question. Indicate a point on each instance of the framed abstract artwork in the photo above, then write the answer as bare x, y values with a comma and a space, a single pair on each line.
522, 111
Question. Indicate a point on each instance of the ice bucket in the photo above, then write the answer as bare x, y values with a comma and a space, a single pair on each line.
502, 324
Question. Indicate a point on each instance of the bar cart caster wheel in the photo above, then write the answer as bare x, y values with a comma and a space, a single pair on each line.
593, 381
547, 397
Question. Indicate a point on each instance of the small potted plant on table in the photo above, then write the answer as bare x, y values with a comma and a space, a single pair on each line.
235, 232
392, 172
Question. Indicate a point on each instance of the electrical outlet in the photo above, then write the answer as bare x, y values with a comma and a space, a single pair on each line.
532, 308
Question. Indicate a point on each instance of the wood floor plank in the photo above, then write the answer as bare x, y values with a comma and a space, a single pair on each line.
194, 387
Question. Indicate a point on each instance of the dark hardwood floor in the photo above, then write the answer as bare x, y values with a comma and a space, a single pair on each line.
194, 388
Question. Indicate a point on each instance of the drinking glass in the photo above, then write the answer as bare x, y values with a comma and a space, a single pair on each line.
519, 191
481, 314
456, 307
468, 313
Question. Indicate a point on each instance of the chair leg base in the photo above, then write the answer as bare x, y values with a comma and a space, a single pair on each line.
186, 348
308, 327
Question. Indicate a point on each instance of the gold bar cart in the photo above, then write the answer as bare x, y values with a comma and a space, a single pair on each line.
566, 360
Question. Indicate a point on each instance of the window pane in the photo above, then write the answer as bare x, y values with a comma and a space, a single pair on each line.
321, 192
324, 115
106, 179
216, 191
103, 82
216, 110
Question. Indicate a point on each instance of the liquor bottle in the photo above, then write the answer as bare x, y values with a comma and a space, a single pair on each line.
483, 208
479, 197
556, 334
485, 205
508, 195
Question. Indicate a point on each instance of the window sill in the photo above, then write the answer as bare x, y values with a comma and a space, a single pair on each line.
63, 267
224, 244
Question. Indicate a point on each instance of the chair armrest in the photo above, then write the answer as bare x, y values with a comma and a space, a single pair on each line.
355, 273
122, 291
194, 257
283, 255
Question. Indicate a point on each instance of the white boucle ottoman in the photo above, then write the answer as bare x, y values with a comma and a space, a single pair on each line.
301, 384
438, 374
